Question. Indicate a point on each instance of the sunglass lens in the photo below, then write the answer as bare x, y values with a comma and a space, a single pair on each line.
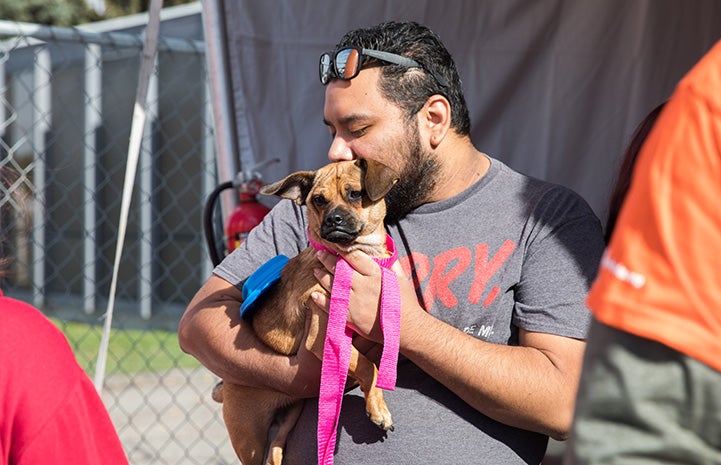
325, 67
347, 63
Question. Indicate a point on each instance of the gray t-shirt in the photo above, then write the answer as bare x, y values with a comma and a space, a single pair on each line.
509, 252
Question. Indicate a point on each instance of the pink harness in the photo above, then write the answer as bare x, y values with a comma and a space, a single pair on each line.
337, 349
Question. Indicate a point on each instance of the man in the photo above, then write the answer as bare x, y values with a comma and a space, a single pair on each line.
495, 269
650, 391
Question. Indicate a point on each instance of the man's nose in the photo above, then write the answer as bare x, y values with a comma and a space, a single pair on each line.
339, 150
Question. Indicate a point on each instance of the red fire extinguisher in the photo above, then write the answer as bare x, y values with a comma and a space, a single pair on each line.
247, 215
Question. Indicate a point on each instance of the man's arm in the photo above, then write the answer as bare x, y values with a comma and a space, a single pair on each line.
212, 331
530, 386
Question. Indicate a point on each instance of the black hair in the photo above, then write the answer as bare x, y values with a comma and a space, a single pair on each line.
625, 174
13, 193
411, 88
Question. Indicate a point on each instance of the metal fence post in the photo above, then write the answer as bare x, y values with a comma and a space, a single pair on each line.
92, 122
3, 110
42, 101
148, 151
209, 177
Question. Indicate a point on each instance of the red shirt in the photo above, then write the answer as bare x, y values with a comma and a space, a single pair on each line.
660, 277
50, 412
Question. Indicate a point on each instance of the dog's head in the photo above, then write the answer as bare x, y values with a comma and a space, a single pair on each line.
344, 202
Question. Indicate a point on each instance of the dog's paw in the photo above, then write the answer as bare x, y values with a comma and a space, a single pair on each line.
217, 393
384, 422
378, 412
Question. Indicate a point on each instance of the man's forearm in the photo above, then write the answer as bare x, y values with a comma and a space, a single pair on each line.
212, 331
520, 386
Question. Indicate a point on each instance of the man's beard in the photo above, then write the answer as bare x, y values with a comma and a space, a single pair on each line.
416, 182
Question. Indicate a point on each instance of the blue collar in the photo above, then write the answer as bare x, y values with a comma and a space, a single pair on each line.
259, 282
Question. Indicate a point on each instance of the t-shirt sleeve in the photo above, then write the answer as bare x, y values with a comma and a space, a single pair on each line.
562, 252
282, 232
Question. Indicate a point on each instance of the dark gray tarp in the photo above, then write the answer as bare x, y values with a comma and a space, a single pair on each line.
555, 87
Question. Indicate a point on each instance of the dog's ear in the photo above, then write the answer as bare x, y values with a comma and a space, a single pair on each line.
377, 178
295, 187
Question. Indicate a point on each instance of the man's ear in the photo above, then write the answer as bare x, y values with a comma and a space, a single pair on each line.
295, 187
377, 178
436, 119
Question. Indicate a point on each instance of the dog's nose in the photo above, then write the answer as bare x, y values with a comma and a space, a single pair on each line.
334, 219
339, 226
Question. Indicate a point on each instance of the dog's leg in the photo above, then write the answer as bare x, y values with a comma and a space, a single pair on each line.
287, 423
248, 415
366, 373
361, 369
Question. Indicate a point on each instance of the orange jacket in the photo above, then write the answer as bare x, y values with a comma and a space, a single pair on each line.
660, 277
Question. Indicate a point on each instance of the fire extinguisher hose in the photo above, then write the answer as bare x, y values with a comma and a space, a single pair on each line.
208, 221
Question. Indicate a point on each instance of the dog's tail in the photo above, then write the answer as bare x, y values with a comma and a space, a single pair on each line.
218, 392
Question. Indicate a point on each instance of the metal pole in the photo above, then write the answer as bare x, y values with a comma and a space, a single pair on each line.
92, 123
225, 127
145, 195
78, 35
42, 107
208, 178
137, 127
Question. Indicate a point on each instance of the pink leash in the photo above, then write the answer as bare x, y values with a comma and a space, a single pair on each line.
338, 339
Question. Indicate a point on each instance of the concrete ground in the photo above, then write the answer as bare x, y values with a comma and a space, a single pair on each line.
169, 418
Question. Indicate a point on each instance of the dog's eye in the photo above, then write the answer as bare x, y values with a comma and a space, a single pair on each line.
319, 201
355, 195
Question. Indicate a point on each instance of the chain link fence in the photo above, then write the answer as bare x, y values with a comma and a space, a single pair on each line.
66, 103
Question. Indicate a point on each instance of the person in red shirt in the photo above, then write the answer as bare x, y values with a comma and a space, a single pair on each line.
651, 385
50, 412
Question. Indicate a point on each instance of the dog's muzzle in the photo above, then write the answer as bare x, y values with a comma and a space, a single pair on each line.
339, 227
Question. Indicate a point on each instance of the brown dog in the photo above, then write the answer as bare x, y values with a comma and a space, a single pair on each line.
345, 210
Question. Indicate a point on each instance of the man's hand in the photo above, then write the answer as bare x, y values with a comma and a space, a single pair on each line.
365, 292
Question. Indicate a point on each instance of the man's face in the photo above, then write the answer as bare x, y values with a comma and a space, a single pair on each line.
364, 124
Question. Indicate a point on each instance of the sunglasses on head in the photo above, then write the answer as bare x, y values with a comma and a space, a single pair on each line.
347, 62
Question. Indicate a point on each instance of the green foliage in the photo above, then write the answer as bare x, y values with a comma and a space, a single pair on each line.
50, 12
116, 8
71, 12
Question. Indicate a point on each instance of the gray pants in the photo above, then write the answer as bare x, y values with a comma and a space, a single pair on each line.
641, 402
